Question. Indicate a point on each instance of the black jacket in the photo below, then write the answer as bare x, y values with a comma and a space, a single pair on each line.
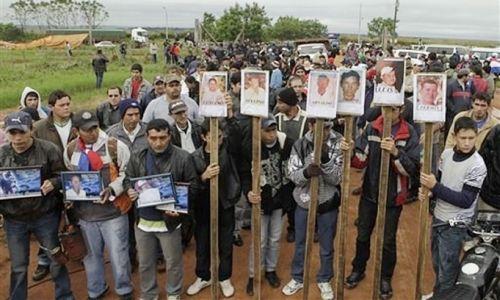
401, 168
195, 135
175, 161
49, 157
490, 192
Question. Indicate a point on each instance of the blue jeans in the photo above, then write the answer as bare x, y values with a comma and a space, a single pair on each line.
446, 245
327, 226
45, 229
114, 234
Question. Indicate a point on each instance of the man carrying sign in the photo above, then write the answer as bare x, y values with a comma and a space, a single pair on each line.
405, 155
302, 168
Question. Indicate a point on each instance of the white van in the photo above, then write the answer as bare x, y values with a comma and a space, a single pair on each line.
414, 55
449, 49
484, 53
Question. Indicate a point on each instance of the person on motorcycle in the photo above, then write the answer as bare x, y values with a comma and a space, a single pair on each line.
461, 175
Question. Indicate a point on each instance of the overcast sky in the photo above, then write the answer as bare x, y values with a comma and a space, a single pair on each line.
479, 19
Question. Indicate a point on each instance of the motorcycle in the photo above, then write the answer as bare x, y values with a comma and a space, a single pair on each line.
479, 277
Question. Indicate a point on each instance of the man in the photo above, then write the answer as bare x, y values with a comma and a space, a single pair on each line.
405, 155
235, 91
132, 132
349, 83
291, 121
58, 129
458, 97
482, 118
200, 69
31, 98
136, 86
37, 215
185, 134
108, 112
157, 90
99, 65
229, 193
276, 76
275, 187
302, 168
158, 108
388, 76
153, 226
76, 192
193, 88
428, 92
462, 173
102, 222
153, 50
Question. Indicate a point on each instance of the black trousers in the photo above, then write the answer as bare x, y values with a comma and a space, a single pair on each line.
202, 237
367, 215
290, 213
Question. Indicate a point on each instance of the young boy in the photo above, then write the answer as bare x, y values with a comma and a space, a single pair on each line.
275, 188
462, 173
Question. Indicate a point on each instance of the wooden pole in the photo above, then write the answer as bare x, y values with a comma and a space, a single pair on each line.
344, 208
214, 209
382, 204
256, 211
313, 205
424, 215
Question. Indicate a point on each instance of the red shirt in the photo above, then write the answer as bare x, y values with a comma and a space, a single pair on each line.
136, 84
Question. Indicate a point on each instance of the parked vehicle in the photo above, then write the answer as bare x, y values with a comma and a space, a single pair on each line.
414, 55
484, 53
104, 44
448, 49
139, 36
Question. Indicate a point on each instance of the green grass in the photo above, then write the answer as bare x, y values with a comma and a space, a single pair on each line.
48, 69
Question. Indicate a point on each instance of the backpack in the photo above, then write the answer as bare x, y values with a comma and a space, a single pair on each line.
122, 202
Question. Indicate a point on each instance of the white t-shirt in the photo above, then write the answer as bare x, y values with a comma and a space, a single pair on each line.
64, 132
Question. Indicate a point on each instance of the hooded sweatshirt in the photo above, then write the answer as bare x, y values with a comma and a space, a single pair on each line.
41, 112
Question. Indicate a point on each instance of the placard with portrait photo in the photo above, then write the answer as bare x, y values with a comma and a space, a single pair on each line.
22, 182
351, 92
82, 185
213, 88
254, 93
429, 98
154, 190
181, 204
389, 82
322, 94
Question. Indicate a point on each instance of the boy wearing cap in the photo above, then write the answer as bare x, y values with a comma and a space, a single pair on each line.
329, 171
38, 215
136, 86
404, 148
275, 188
102, 222
107, 112
130, 130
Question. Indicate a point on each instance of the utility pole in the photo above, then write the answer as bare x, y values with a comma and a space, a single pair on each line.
359, 24
166, 22
396, 8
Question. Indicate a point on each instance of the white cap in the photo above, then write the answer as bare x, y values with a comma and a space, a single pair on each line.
386, 70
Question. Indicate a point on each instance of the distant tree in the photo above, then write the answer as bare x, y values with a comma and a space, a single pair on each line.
291, 28
376, 27
93, 14
21, 11
209, 24
9, 32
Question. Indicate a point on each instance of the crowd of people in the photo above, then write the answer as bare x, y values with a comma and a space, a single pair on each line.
145, 129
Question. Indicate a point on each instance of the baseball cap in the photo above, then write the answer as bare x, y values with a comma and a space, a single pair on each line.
19, 120
386, 70
158, 78
173, 77
463, 72
177, 107
268, 121
85, 119
126, 104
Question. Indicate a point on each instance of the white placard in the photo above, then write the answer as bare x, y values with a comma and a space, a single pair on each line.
351, 92
212, 90
389, 82
254, 93
429, 98
322, 91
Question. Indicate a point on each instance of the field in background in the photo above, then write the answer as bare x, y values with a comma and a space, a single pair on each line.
407, 41
48, 69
